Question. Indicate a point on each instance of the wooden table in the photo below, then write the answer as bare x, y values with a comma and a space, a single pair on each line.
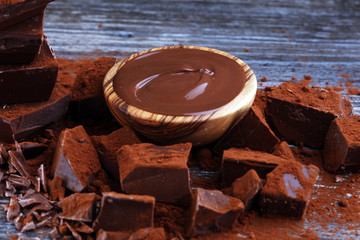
278, 39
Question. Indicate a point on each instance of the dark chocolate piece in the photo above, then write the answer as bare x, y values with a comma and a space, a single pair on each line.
120, 212
107, 235
20, 43
247, 187
29, 83
33, 202
302, 115
19, 121
11, 14
107, 147
56, 188
342, 145
18, 221
43, 180
143, 166
79, 207
283, 150
287, 191
19, 181
212, 210
74, 233
251, 131
75, 159
238, 161
149, 234
32, 149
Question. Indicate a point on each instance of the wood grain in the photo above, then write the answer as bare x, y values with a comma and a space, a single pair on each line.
200, 129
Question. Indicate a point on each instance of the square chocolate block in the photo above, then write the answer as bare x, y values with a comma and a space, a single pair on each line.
342, 145
159, 171
238, 161
107, 147
287, 191
29, 83
302, 115
20, 43
120, 212
247, 187
15, 11
75, 159
212, 210
251, 131
79, 207
19, 121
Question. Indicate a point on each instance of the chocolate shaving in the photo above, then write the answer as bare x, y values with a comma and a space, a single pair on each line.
13, 209
75, 234
41, 172
35, 201
28, 226
18, 221
19, 181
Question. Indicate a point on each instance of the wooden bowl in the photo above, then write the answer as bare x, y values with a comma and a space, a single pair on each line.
168, 129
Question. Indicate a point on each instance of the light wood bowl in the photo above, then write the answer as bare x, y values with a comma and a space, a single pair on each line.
168, 129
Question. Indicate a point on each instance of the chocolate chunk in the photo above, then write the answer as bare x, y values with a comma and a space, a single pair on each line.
74, 233
288, 190
20, 43
107, 147
19, 121
29, 83
56, 188
238, 161
342, 145
143, 166
75, 159
212, 210
79, 207
120, 212
301, 116
247, 187
32, 149
106, 235
251, 131
149, 234
283, 150
19, 11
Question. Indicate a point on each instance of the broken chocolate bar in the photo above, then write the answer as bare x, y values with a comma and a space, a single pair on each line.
79, 207
19, 11
302, 115
75, 159
251, 131
212, 210
342, 145
247, 187
20, 43
288, 190
143, 166
107, 147
238, 161
29, 83
120, 212
19, 121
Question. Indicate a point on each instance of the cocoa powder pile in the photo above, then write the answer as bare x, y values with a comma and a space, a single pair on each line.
333, 211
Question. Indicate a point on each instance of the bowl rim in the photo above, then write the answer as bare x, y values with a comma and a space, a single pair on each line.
245, 96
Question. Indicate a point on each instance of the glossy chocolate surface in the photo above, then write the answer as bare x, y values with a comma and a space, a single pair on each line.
179, 81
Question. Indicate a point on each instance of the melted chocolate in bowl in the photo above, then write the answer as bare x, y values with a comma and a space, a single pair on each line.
179, 81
